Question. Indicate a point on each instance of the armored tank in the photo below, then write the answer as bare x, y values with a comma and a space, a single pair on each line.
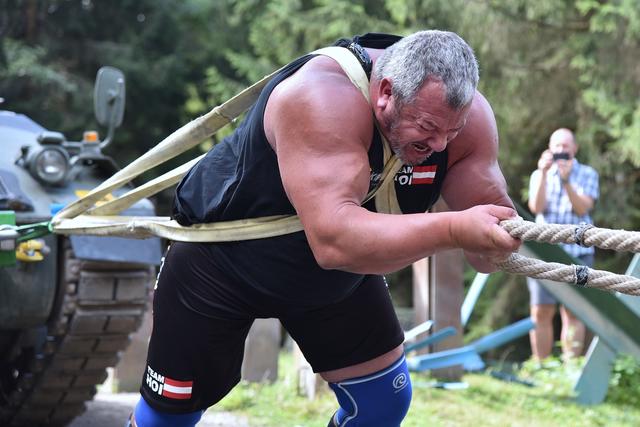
68, 305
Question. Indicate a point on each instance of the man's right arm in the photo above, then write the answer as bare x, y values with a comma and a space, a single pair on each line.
537, 192
538, 184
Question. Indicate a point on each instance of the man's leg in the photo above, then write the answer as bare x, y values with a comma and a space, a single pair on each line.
572, 334
543, 308
541, 336
356, 345
196, 346
378, 398
573, 330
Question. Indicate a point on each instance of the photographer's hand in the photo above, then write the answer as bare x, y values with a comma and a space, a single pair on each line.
564, 169
545, 161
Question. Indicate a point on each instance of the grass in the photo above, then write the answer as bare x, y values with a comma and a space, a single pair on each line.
486, 402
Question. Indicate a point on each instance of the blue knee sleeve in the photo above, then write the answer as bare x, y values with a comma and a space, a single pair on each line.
146, 416
379, 399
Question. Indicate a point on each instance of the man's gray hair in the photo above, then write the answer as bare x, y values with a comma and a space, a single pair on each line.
439, 55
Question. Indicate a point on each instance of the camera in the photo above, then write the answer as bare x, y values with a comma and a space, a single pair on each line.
560, 156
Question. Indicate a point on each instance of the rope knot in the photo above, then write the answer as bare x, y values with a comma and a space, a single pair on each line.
579, 231
581, 275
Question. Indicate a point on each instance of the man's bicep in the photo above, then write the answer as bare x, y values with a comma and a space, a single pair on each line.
320, 145
475, 182
323, 164
534, 179
534, 184
319, 179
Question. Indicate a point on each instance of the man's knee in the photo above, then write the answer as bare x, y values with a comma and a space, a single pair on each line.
568, 315
379, 399
543, 313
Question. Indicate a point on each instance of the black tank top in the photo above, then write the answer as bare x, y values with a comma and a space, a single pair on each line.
239, 178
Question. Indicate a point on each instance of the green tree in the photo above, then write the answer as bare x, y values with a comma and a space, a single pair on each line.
557, 63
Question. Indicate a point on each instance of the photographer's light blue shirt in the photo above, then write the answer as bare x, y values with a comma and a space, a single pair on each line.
558, 209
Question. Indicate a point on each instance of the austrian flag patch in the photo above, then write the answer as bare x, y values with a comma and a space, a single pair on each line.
167, 387
423, 174
416, 175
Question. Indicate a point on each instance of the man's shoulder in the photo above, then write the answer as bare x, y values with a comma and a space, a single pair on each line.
480, 131
319, 98
320, 81
587, 170
535, 174
481, 118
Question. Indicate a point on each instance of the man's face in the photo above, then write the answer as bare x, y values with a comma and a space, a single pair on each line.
562, 142
425, 126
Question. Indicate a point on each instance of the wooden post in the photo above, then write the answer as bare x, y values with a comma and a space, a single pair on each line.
261, 351
438, 294
128, 372
308, 384
421, 296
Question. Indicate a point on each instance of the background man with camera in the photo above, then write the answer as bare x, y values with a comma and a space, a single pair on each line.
561, 191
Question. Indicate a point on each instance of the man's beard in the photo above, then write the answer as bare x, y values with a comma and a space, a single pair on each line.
393, 142
398, 149
393, 125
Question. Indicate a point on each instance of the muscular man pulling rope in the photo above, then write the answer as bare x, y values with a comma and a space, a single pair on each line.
314, 146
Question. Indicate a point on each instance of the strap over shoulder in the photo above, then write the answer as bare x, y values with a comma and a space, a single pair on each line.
70, 220
351, 66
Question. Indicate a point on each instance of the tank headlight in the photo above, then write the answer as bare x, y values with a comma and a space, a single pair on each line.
50, 164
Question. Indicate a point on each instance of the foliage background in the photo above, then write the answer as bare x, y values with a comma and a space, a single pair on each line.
544, 64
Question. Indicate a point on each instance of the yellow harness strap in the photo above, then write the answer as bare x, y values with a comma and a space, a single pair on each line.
81, 217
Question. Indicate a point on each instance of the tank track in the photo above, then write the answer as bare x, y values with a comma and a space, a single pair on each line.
100, 304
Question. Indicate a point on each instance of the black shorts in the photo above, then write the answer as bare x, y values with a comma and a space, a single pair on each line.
201, 319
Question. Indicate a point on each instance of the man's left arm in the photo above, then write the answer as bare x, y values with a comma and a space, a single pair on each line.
581, 203
474, 176
582, 198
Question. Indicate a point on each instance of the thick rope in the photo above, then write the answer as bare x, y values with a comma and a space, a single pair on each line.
580, 275
581, 234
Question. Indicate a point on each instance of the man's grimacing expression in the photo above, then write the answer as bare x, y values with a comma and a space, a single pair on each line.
424, 126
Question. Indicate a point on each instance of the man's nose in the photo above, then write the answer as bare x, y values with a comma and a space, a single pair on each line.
438, 143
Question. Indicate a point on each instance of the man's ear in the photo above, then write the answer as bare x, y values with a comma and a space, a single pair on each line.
384, 93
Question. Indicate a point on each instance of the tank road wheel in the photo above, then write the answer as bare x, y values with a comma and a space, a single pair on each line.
100, 304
